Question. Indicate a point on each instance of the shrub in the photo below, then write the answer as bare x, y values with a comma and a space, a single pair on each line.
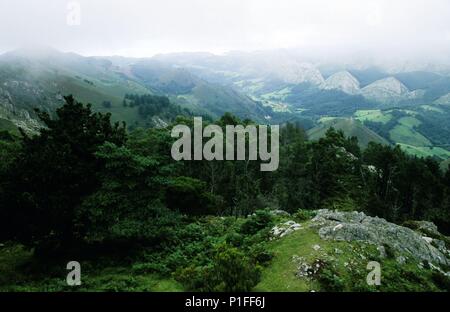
258, 221
441, 281
303, 215
330, 280
260, 253
234, 239
231, 271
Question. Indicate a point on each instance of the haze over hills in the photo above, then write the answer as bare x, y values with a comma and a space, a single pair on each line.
267, 86
352, 194
351, 128
343, 81
40, 78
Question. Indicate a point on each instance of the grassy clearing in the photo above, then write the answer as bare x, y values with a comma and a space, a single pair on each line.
409, 122
375, 115
425, 151
343, 268
350, 127
279, 95
404, 134
348, 261
327, 119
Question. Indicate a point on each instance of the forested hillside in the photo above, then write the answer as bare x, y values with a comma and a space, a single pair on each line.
86, 188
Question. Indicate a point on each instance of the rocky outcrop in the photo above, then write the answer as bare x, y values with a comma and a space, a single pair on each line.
343, 81
356, 226
389, 90
425, 227
284, 229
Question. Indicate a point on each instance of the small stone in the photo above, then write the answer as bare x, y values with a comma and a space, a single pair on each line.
401, 259
338, 251
338, 227
382, 251
429, 240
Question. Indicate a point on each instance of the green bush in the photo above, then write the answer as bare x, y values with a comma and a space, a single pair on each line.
235, 239
258, 221
441, 281
260, 253
330, 280
303, 215
231, 271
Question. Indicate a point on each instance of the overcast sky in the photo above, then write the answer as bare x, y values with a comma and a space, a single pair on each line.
148, 27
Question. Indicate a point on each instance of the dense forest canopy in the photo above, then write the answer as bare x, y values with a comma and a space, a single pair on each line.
83, 181
79, 162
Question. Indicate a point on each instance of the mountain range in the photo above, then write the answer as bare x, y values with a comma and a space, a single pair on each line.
410, 108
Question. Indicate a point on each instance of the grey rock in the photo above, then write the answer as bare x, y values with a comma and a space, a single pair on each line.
401, 259
356, 226
426, 227
382, 251
284, 229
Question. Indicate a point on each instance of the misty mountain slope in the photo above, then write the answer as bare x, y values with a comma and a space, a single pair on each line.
368, 75
318, 103
350, 127
343, 81
195, 93
418, 79
443, 100
40, 79
262, 86
388, 91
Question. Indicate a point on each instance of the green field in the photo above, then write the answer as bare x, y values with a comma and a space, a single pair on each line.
279, 95
425, 151
324, 120
375, 115
404, 132
280, 275
350, 127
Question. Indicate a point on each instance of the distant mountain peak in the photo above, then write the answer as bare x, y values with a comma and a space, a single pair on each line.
390, 84
443, 100
389, 89
343, 81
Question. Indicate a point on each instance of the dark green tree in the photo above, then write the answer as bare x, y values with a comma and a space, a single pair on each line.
55, 170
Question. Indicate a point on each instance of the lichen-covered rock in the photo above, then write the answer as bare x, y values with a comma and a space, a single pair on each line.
284, 229
425, 227
356, 226
305, 269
